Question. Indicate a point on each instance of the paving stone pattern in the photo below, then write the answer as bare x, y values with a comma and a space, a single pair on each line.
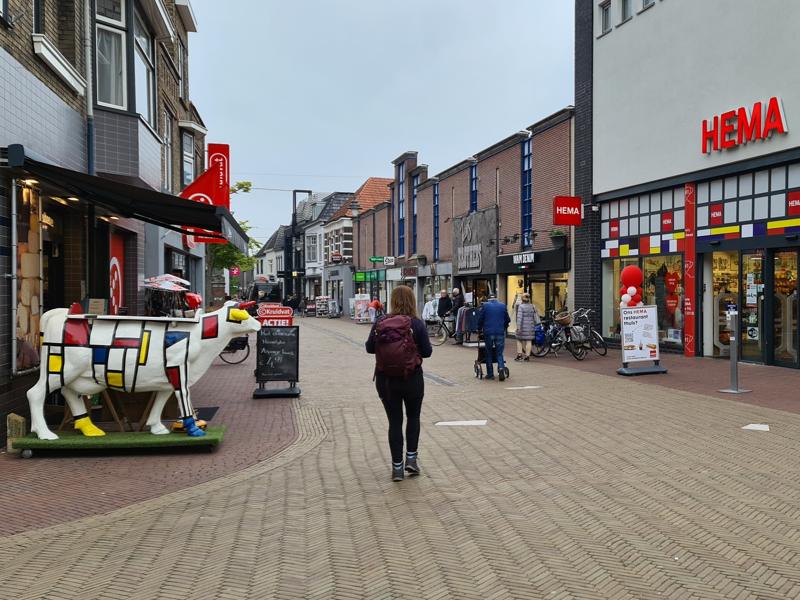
590, 487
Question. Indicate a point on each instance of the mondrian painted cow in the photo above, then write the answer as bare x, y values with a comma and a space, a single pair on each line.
84, 355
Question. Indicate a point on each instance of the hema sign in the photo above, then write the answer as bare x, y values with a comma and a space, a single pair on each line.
567, 210
743, 125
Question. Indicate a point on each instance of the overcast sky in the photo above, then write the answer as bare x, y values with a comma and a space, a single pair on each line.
321, 94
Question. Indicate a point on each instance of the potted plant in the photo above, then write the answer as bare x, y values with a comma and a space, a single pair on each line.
558, 237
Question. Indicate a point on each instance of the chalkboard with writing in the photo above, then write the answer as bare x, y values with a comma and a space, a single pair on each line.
278, 354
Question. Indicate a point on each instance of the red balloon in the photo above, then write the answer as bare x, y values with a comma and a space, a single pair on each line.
637, 298
631, 276
633, 303
639, 290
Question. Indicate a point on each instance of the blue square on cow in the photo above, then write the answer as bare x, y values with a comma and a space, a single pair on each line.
173, 337
100, 356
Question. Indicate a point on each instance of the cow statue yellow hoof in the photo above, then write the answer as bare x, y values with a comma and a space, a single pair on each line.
87, 428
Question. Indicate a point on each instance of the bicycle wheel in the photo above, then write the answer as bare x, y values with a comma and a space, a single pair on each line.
234, 357
440, 337
577, 349
597, 343
540, 350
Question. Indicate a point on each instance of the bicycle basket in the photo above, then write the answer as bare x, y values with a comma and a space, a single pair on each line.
563, 318
538, 335
578, 334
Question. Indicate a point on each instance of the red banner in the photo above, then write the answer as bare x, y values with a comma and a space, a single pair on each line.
212, 187
689, 271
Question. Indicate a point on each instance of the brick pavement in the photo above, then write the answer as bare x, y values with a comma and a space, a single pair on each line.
589, 487
65, 487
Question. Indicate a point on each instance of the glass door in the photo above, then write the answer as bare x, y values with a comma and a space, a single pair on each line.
751, 312
725, 283
784, 308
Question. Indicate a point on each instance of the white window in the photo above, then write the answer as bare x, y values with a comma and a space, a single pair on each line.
269, 266
144, 69
168, 153
188, 159
311, 248
111, 86
626, 9
111, 11
279, 263
605, 16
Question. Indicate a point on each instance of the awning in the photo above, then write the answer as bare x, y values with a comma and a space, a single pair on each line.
164, 210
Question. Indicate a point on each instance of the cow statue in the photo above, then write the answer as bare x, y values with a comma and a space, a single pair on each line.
86, 354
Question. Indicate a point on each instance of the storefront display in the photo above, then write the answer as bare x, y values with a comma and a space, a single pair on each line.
29, 277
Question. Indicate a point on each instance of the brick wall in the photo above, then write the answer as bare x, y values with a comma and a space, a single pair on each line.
586, 246
551, 177
17, 42
425, 223
453, 202
501, 175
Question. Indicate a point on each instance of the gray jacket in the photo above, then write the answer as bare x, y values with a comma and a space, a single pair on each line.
527, 319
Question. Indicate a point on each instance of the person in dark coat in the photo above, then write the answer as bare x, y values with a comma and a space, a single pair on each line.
445, 305
493, 320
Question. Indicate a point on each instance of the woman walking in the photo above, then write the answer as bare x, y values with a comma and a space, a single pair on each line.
399, 342
527, 320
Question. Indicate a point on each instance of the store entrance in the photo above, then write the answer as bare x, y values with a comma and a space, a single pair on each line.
785, 308
751, 314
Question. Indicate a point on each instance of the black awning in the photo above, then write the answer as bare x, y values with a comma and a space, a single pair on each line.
165, 210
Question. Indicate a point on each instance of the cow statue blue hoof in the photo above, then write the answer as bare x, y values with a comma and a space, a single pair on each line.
191, 427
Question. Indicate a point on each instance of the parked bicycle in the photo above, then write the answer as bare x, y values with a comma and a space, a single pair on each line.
594, 341
558, 334
237, 350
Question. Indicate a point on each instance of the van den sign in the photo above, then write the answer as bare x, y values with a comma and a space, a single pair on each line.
743, 125
567, 210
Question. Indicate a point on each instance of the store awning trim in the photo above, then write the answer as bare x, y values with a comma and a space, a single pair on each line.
164, 210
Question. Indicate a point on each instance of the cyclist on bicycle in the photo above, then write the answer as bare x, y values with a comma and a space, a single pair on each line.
445, 305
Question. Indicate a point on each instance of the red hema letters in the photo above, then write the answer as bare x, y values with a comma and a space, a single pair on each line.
737, 127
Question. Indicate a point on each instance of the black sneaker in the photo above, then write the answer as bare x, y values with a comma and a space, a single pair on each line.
489, 377
398, 474
502, 375
412, 466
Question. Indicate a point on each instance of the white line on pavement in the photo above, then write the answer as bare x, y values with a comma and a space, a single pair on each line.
461, 423
756, 427
525, 387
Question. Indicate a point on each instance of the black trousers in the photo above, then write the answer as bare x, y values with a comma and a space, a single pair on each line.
394, 393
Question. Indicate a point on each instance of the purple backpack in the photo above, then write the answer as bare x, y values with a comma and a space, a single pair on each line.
396, 353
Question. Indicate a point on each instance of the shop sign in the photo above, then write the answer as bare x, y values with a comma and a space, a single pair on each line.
273, 315
613, 228
523, 258
377, 259
666, 221
742, 125
336, 257
469, 259
794, 203
409, 272
715, 214
360, 276
235, 271
211, 187
567, 210
639, 333
388, 261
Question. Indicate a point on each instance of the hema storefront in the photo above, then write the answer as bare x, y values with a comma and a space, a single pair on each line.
701, 188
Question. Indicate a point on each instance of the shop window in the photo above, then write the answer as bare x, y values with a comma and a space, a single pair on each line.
29, 290
678, 199
762, 182
666, 200
663, 288
777, 205
794, 175
731, 188
144, 70
702, 193
725, 289
611, 284
777, 180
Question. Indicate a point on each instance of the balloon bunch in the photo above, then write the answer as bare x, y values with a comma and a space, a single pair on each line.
631, 290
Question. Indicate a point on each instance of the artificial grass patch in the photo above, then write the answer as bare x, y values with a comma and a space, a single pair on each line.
74, 440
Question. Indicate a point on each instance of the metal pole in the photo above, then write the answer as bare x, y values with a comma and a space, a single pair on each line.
12, 275
733, 321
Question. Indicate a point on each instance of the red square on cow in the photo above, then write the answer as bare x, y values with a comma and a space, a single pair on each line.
613, 228
793, 200
666, 221
210, 327
715, 214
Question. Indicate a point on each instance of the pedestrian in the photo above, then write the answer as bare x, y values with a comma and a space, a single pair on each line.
493, 320
375, 309
458, 302
527, 320
399, 342
429, 310
445, 305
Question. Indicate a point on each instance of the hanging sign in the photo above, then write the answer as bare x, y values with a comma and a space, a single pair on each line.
211, 187
639, 333
567, 210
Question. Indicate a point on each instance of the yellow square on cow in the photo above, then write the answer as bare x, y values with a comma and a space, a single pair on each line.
114, 379
55, 363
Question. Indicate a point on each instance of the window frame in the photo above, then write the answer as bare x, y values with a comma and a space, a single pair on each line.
623, 4
605, 17
168, 133
647, 4
526, 196
435, 222
182, 92
184, 156
414, 186
122, 35
150, 65
401, 210
4, 11
473, 188
122, 23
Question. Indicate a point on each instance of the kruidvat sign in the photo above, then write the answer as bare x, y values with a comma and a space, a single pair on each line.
744, 125
567, 210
